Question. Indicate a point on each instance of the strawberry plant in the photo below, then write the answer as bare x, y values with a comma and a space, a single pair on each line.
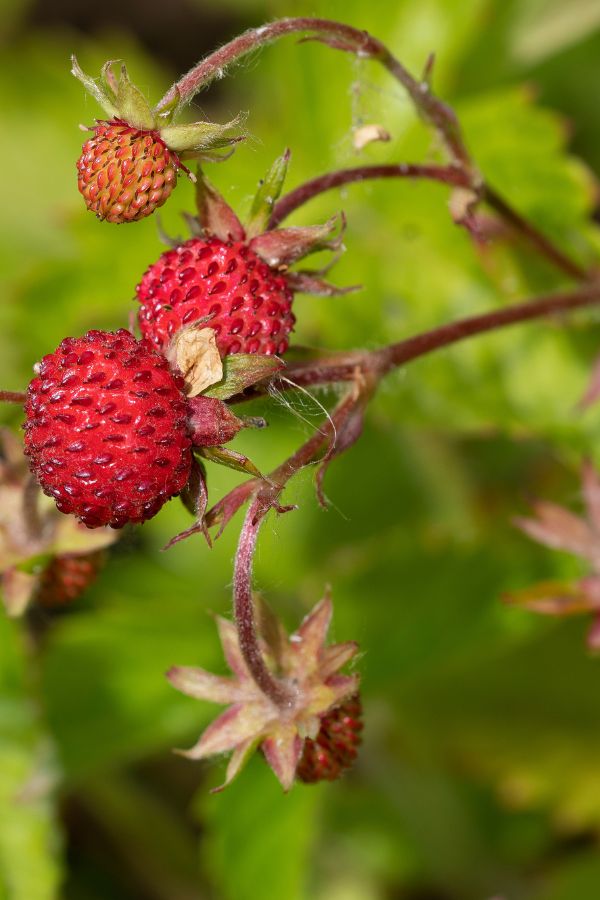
118, 423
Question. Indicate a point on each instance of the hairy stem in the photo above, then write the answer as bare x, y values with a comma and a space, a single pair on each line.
341, 37
452, 175
244, 610
344, 368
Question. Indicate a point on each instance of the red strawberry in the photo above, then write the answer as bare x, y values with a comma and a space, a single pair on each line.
236, 279
335, 747
248, 304
125, 173
129, 166
106, 429
67, 577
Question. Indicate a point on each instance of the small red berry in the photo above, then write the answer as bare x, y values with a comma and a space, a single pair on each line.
335, 747
125, 173
66, 578
248, 303
106, 431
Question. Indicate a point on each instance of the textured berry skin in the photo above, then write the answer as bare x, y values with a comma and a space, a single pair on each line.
249, 304
66, 578
105, 431
124, 174
335, 747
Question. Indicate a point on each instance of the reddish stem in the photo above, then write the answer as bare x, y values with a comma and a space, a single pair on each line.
451, 175
341, 37
345, 367
12, 397
243, 605
303, 193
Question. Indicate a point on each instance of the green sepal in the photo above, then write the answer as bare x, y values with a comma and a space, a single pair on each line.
267, 195
108, 78
132, 106
99, 93
242, 370
168, 112
199, 136
230, 459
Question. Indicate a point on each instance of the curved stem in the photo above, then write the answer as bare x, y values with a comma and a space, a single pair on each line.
453, 175
344, 368
341, 37
12, 397
243, 605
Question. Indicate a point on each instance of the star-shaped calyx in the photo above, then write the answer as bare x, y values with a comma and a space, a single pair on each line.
303, 662
560, 529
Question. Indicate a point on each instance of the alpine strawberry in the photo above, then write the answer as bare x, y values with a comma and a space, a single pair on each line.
106, 431
235, 279
129, 167
335, 747
125, 173
246, 303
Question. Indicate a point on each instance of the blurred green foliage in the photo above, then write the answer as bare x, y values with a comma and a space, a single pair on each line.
479, 775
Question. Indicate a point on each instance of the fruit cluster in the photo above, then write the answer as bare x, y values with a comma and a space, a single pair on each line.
115, 423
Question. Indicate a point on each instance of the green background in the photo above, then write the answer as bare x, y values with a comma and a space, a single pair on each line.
480, 772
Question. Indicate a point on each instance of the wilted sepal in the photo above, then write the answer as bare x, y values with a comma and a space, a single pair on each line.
285, 246
303, 660
560, 529
267, 195
194, 497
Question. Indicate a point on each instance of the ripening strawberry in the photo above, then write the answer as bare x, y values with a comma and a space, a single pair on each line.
106, 431
335, 747
234, 279
129, 167
67, 577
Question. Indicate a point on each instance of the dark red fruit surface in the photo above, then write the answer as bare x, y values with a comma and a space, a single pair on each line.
335, 747
248, 304
105, 431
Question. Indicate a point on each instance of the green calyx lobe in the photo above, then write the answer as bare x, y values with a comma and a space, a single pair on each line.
121, 99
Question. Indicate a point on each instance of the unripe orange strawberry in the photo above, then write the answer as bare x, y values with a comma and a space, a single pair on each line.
125, 173
129, 167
